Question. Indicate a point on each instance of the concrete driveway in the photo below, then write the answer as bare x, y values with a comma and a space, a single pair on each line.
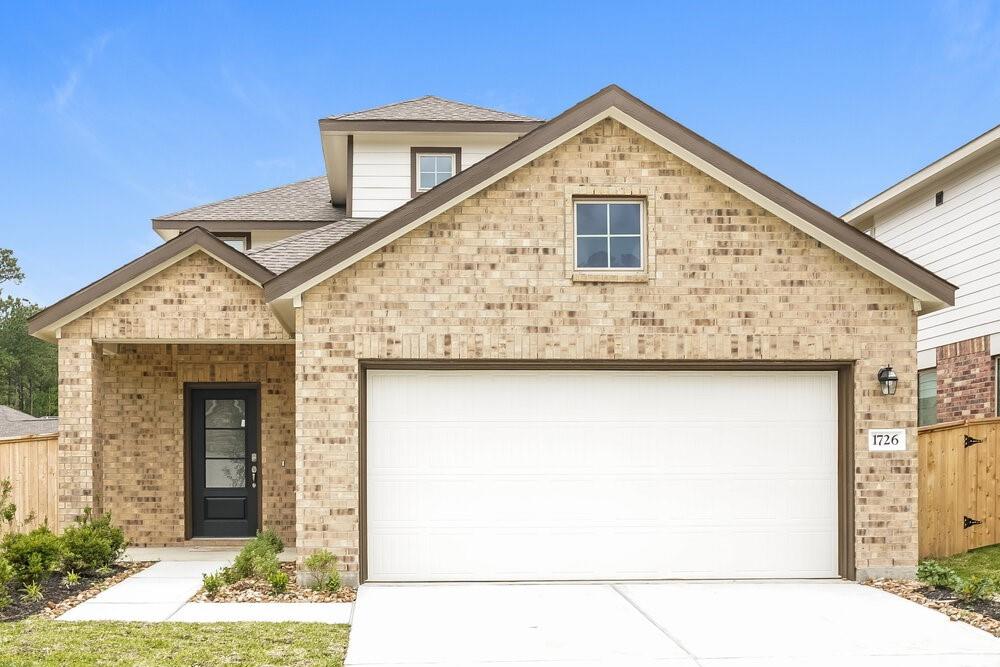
721, 624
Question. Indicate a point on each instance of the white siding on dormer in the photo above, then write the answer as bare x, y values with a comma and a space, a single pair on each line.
960, 241
382, 164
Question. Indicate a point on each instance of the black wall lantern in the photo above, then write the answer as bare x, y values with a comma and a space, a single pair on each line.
888, 380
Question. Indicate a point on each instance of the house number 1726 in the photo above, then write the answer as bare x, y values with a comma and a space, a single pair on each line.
886, 439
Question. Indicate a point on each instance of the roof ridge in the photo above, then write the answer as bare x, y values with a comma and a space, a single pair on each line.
168, 216
382, 106
481, 107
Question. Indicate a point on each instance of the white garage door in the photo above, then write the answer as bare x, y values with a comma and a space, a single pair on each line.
575, 475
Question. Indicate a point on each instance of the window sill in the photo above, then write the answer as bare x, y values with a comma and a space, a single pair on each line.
610, 277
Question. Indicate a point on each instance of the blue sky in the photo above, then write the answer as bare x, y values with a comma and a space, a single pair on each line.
114, 113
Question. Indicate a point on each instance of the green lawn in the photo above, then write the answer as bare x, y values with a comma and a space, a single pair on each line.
162, 644
984, 562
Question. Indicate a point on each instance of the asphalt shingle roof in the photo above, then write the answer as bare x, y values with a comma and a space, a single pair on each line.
430, 107
286, 253
303, 201
14, 423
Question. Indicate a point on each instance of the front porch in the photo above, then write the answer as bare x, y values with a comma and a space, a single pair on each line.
155, 466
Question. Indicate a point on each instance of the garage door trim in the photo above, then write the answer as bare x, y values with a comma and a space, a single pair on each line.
845, 421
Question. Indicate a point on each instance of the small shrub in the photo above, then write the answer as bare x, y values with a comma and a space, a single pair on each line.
256, 560
34, 555
278, 581
92, 543
228, 575
271, 539
8, 510
32, 592
937, 575
212, 583
321, 566
975, 588
71, 579
6, 576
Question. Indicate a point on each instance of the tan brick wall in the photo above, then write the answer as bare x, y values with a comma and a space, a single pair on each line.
79, 380
122, 415
195, 299
141, 432
493, 279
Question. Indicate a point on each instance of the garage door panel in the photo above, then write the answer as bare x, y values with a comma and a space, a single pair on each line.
508, 475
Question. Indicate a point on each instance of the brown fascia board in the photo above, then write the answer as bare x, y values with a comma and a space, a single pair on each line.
161, 224
611, 96
502, 126
137, 267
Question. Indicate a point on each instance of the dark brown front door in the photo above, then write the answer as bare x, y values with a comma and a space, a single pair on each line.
225, 463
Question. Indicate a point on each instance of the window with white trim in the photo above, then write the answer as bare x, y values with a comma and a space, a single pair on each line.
927, 397
609, 234
434, 168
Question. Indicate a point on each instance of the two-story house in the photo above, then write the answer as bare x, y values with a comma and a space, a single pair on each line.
487, 347
946, 217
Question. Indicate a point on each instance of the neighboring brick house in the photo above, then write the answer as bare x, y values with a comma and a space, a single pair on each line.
487, 347
947, 218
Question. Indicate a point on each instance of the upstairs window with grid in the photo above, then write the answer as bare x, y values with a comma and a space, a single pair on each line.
609, 235
433, 169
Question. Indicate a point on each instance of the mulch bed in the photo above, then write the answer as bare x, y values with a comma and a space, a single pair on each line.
252, 590
983, 614
59, 598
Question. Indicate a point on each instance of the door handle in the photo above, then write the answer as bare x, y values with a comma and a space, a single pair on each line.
253, 477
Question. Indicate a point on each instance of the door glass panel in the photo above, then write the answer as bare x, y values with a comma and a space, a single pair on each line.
225, 413
225, 443
225, 473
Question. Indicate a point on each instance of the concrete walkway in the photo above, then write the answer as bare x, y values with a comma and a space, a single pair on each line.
677, 624
161, 593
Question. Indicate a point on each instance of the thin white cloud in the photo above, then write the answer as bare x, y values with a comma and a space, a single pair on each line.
64, 92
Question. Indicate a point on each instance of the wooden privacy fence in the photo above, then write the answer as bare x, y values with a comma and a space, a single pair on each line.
959, 485
29, 463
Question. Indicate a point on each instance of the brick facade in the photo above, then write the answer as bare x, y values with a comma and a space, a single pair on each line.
965, 383
493, 279
122, 405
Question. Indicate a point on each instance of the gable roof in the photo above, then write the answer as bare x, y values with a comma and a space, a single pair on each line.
301, 205
863, 214
45, 323
14, 423
612, 101
284, 254
430, 107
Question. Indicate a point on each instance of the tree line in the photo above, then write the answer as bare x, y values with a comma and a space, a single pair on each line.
28, 378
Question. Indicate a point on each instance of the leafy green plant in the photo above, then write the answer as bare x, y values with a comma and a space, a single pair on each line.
34, 555
321, 568
6, 576
229, 575
975, 588
8, 510
271, 538
93, 542
32, 592
937, 575
278, 581
71, 579
212, 583
256, 560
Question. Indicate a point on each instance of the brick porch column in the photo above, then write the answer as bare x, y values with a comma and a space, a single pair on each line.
78, 463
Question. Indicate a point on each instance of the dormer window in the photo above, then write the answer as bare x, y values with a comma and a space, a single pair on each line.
433, 166
238, 240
